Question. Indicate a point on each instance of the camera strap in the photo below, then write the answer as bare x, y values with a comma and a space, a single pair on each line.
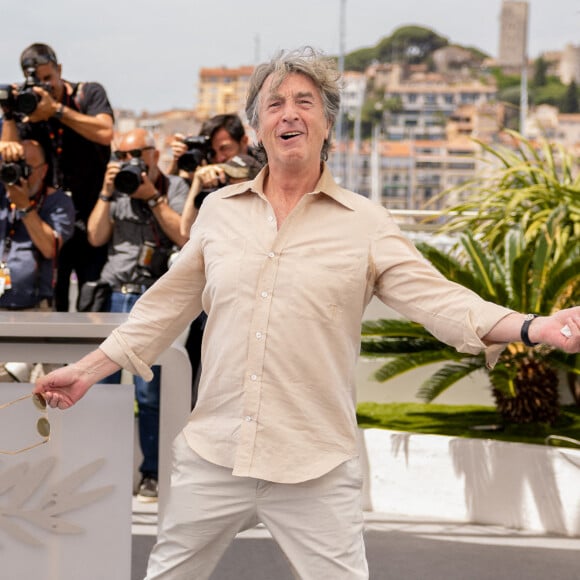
56, 128
162, 186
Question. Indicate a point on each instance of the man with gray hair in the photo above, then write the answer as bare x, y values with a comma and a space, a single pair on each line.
284, 266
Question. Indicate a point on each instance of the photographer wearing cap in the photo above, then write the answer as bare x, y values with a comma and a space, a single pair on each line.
73, 122
138, 216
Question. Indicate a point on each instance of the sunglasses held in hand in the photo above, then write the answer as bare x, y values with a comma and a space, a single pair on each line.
42, 425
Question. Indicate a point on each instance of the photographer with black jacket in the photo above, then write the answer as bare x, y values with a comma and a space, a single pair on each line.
73, 122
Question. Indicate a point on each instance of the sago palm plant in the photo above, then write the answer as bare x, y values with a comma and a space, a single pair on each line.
522, 275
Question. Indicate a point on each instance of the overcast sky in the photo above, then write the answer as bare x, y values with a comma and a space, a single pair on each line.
147, 53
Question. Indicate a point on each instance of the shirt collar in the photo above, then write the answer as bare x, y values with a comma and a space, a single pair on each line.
326, 186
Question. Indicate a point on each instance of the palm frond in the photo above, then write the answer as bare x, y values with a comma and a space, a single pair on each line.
448, 376
394, 327
400, 365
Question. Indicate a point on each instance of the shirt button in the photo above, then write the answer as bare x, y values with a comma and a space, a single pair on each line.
254, 377
264, 294
271, 254
247, 418
258, 335
270, 218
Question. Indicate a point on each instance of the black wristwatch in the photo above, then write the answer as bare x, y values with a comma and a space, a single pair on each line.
59, 112
525, 327
20, 213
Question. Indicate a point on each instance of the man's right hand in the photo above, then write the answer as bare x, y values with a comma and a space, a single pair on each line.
63, 387
113, 168
11, 151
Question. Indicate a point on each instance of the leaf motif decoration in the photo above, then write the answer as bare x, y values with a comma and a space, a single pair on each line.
21, 482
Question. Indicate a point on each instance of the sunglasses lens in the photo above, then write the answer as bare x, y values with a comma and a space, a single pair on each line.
39, 402
136, 152
43, 427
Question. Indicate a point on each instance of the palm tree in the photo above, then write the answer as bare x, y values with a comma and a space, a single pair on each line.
522, 275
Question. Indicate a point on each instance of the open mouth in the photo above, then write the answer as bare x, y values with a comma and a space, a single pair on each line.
290, 135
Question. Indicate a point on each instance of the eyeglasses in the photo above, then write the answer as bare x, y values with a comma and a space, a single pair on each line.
122, 155
42, 425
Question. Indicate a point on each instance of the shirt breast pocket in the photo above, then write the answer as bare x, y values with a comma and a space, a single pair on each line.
325, 285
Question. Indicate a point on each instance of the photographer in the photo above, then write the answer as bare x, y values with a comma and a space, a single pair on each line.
221, 139
138, 215
73, 122
35, 220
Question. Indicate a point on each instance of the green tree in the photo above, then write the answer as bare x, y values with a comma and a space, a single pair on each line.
410, 44
570, 102
540, 72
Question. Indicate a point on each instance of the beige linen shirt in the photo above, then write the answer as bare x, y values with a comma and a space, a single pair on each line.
277, 391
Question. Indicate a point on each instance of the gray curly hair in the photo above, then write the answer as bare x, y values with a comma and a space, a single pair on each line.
308, 61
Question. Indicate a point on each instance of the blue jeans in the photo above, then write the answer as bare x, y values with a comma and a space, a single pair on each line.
147, 395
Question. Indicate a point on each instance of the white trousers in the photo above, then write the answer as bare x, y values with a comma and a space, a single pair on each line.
318, 524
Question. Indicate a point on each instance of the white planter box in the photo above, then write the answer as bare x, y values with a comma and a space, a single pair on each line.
516, 485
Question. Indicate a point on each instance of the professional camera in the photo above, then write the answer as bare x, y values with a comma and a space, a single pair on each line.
198, 149
26, 100
7, 101
129, 177
12, 173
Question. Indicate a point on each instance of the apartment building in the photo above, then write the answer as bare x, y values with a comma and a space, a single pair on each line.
410, 174
426, 100
222, 90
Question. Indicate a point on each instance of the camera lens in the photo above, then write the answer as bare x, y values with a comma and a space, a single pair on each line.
129, 179
11, 173
190, 160
27, 101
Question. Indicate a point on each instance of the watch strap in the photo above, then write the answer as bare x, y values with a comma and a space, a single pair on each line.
525, 329
155, 200
20, 213
59, 112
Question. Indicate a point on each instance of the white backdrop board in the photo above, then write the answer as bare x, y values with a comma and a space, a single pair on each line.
65, 506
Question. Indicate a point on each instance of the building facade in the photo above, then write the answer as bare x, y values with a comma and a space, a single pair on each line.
222, 90
513, 34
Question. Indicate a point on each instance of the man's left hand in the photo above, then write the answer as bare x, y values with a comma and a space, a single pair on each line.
146, 190
45, 109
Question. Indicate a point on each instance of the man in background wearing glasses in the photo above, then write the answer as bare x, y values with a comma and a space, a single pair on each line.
141, 228
35, 221
74, 124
